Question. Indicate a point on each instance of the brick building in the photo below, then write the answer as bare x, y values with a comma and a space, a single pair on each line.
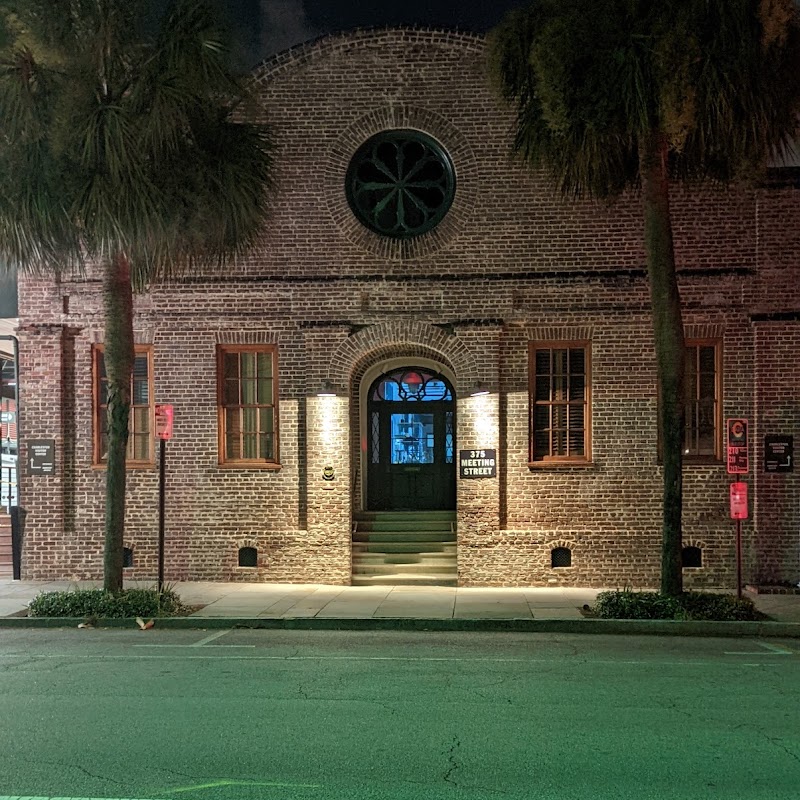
431, 368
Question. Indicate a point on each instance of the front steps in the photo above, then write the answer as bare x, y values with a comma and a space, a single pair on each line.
404, 548
6, 559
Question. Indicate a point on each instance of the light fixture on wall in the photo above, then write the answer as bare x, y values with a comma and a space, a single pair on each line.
327, 389
479, 389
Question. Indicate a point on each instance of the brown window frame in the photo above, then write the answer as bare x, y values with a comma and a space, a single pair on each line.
247, 463
99, 410
706, 458
560, 460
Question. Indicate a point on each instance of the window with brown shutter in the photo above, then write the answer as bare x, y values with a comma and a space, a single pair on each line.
559, 392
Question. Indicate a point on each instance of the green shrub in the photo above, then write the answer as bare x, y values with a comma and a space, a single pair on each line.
635, 605
704, 605
627, 604
99, 603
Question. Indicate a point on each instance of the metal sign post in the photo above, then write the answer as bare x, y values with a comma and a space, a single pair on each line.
739, 512
164, 418
738, 464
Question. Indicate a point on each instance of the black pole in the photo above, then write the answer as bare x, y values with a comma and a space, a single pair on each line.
161, 481
739, 559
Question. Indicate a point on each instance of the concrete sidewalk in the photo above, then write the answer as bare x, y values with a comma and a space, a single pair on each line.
270, 600
318, 601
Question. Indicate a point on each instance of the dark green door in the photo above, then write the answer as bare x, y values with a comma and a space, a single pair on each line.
411, 460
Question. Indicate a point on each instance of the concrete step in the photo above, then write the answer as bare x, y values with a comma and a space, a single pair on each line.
404, 547
404, 515
405, 525
405, 567
366, 559
6, 554
405, 579
404, 536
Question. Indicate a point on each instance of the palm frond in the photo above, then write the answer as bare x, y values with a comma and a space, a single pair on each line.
590, 79
125, 141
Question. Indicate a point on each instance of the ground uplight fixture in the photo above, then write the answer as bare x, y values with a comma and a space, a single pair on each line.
479, 389
327, 389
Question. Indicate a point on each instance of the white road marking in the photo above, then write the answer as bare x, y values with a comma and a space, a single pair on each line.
784, 651
202, 642
194, 647
211, 638
59, 797
186, 657
774, 650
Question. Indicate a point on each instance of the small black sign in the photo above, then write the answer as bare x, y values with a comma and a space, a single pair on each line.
41, 456
477, 463
778, 454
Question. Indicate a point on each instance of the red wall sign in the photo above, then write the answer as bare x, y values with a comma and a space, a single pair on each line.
739, 500
738, 458
164, 418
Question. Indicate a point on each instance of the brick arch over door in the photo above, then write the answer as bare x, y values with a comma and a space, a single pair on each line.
410, 341
399, 340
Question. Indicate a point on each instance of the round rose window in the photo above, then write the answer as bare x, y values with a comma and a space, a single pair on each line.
400, 183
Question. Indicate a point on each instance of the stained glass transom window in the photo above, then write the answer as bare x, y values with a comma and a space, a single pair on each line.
411, 384
400, 183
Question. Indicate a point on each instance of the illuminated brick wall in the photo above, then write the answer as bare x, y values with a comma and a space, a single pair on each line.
510, 263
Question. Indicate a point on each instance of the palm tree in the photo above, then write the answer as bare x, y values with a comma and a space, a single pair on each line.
614, 95
122, 148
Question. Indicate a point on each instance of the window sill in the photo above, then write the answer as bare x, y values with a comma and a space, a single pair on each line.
561, 465
259, 465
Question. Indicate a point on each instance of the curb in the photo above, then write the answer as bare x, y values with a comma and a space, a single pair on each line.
623, 627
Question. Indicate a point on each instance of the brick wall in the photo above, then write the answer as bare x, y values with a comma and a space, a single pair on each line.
509, 264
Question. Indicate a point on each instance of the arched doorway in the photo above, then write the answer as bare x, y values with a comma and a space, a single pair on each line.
411, 441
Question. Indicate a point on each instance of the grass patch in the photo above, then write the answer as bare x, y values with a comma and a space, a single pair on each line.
627, 604
97, 603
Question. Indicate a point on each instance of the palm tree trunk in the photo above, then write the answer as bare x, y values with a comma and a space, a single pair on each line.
670, 350
119, 357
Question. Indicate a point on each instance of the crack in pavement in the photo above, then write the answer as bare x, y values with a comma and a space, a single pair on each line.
66, 765
774, 740
451, 759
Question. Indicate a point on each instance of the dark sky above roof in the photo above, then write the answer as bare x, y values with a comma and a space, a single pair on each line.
265, 27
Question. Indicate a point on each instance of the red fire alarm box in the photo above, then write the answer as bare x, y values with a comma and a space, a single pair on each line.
164, 418
739, 500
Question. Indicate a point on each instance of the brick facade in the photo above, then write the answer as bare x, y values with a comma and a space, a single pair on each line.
511, 263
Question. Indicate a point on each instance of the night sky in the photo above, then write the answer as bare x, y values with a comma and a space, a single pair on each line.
265, 27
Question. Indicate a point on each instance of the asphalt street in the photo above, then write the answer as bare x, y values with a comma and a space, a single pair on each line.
240, 715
